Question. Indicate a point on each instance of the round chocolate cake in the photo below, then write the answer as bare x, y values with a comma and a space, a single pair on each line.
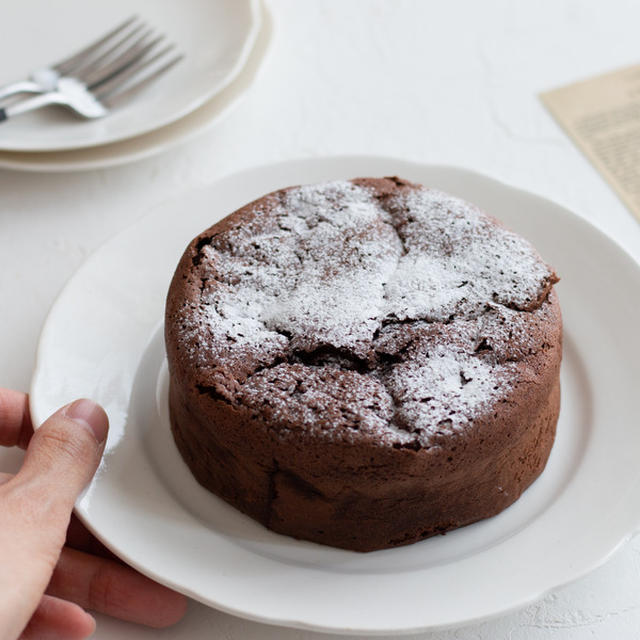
363, 363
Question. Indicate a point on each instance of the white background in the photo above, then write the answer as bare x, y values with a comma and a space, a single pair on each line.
451, 82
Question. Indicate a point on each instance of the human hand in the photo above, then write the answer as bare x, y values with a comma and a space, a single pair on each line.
51, 568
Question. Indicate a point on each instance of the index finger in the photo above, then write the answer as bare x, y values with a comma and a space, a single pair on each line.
15, 420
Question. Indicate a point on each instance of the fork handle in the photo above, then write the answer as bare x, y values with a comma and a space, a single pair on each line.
24, 86
31, 104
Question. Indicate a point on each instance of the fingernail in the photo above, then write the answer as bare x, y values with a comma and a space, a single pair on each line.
91, 415
91, 623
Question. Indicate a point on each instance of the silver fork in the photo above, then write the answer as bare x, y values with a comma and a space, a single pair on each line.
93, 80
46, 79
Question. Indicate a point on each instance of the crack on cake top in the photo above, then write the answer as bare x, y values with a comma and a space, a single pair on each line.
320, 276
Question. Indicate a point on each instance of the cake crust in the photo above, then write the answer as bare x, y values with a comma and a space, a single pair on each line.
363, 363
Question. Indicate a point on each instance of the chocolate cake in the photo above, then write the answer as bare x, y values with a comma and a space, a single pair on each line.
363, 363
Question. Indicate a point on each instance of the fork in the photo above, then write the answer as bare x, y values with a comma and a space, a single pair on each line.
45, 79
93, 80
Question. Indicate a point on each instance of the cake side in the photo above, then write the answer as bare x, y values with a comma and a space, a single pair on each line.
363, 347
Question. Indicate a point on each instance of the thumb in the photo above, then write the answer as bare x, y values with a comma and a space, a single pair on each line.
37, 502
65, 451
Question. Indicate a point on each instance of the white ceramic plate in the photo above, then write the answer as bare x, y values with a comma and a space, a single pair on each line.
159, 140
215, 36
102, 339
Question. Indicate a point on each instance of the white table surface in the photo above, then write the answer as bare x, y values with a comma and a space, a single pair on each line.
445, 82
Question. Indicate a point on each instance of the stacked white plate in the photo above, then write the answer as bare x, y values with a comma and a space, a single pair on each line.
224, 43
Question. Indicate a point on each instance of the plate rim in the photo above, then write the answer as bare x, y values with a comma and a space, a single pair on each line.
358, 159
248, 42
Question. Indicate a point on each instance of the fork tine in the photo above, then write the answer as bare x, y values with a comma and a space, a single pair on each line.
124, 60
110, 93
91, 65
65, 66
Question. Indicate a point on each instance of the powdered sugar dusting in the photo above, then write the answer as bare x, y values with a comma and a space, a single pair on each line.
320, 275
457, 261
452, 375
441, 393
311, 306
